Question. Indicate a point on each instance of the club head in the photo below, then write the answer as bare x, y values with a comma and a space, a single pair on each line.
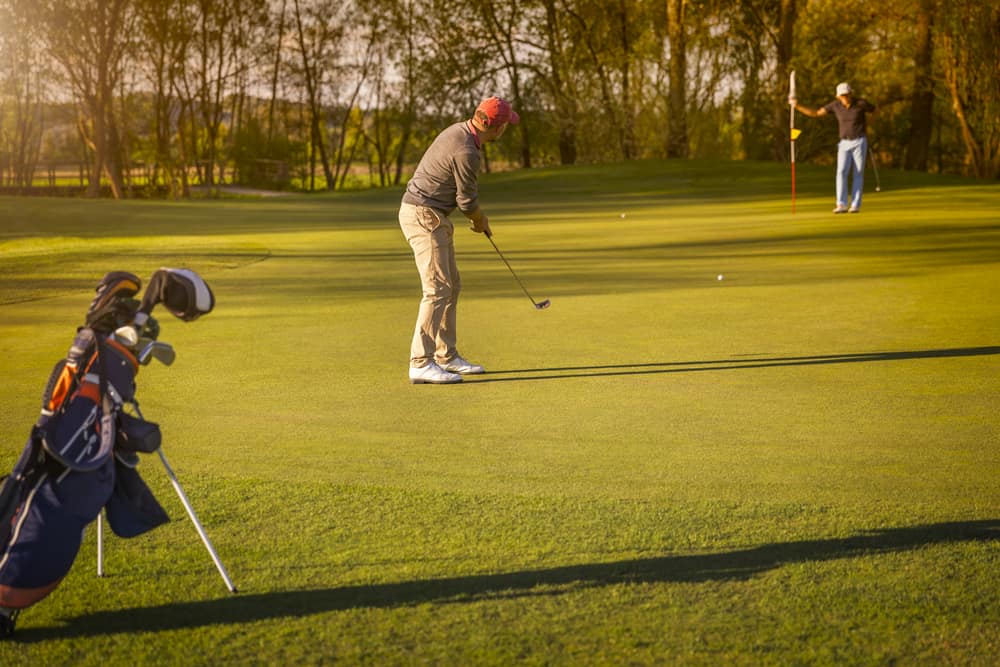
162, 352
542, 305
127, 335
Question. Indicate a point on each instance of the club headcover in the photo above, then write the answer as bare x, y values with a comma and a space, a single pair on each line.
182, 291
114, 305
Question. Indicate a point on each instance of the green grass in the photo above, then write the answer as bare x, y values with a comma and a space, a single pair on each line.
798, 464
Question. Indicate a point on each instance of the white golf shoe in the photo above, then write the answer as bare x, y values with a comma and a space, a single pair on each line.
433, 374
460, 365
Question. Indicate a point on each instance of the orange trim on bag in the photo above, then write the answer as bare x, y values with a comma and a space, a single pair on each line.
62, 387
90, 390
90, 362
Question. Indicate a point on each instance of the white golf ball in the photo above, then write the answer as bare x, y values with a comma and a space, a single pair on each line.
623, 216
719, 277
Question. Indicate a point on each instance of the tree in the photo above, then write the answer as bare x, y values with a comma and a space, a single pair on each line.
278, 46
319, 29
90, 39
503, 29
784, 41
22, 91
559, 81
163, 25
219, 45
404, 24
220, 85
604, 52
677, 133
922, 99
971, 54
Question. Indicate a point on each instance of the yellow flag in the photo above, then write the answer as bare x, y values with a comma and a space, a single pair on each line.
795, 133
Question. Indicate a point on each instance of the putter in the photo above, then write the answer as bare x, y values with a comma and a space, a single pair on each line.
539, 305
162, 352
878, 183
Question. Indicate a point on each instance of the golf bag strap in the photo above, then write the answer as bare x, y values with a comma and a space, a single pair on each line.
109, 403
102, 375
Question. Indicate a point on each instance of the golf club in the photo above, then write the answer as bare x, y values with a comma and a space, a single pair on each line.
878, 183
540, 305
162, 352
127, 335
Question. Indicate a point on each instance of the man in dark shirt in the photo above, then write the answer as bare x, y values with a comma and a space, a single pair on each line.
853, 147
445, 179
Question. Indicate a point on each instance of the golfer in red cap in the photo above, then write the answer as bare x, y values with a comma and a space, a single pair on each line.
445, 179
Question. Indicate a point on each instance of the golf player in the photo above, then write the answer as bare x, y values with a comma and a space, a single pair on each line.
445, 179
853, 146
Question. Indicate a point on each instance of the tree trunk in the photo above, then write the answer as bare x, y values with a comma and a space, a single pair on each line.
98, 144
785, 48
677, 135
564, 99
113, 153
315, 107
274, 75
523, 126
628, 126
922, 101
409, 85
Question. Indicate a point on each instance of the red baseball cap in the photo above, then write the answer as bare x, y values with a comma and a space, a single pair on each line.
498, 111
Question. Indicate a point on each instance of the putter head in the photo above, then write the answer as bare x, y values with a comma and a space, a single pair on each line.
162, 352
542, 305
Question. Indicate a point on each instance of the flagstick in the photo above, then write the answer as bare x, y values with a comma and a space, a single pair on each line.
791, 131
793, 176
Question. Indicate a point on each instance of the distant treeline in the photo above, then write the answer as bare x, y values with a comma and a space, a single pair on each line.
330, 94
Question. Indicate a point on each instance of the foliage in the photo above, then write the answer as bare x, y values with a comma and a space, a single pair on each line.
360, 84
971, 55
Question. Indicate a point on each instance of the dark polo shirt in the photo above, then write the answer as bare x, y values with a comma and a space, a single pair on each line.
852, 119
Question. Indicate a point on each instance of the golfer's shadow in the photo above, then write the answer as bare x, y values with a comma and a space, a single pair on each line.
731, 364
724, 566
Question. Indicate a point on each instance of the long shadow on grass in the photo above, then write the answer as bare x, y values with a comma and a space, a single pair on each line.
566, 372
725, 566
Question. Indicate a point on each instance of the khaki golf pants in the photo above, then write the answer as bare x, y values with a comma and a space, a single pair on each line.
431, 235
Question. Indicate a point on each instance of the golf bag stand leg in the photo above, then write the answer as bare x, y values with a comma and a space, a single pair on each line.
100, 544
194, 518
197, 524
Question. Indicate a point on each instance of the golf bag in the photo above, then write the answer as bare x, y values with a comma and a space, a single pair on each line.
82, 453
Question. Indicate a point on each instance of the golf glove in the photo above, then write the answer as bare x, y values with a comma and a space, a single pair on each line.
480, 222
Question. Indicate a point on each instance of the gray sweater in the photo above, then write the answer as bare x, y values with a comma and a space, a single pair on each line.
447, 175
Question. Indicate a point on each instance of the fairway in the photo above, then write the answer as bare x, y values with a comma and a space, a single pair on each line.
798, 463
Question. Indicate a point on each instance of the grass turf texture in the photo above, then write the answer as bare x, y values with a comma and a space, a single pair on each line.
797, 464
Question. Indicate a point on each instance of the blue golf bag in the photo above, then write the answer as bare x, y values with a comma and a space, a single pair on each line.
82, 453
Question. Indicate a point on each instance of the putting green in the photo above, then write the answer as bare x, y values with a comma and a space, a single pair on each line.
795, 464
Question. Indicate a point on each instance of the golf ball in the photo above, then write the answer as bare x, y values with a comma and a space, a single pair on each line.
719, 277
623, 216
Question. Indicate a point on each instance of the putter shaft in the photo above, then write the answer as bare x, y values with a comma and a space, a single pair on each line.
539, 305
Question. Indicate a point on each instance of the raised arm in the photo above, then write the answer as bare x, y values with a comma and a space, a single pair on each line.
813, 113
